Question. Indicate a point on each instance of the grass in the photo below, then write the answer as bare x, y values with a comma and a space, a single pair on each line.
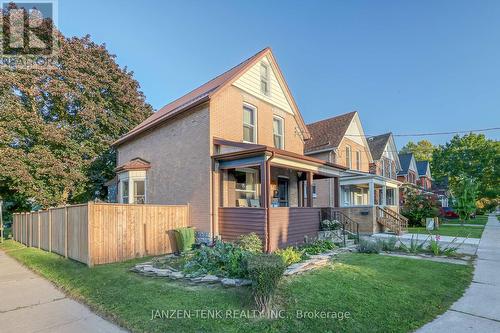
454, 231
381, 294
479, 220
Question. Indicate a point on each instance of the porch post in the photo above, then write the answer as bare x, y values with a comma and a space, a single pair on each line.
309, 189
384, 195
371, 193
263, 185
336, 192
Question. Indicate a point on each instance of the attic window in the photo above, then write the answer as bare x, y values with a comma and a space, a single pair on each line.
264, 78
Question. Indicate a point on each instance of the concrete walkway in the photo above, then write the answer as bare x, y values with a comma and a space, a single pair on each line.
479, 309
28, 303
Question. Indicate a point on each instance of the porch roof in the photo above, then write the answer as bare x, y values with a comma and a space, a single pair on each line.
255, 154
358, 177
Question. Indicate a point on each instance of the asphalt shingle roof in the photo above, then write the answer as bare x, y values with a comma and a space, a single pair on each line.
422, 167
328, 133
405, 160
377, 145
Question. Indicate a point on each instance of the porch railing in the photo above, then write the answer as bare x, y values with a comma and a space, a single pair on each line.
391, 219
349, 227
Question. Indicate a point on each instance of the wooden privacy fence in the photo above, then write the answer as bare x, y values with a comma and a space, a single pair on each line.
100, 233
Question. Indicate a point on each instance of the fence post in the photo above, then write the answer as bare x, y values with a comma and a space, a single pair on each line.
30, 229
50, 229
90, 217
66, 231
39, 231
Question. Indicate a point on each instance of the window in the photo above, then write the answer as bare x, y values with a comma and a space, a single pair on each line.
348, 161
315, 194
246, 186
278, 132
249, 121
358, 160
125, 191
383, 168
264, 78
139, 191
390, 198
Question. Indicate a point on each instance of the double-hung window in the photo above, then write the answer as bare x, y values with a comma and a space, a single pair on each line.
125, 191
249, 124
139, 191
264, 78
358, 160
278, 132
348, 157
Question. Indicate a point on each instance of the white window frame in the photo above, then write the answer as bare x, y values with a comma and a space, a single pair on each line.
131, 177
265, 78
358, 160
348, 157
254, 109
282, 135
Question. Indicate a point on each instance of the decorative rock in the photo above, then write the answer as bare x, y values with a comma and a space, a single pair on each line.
206, 279
176, 275
227, 282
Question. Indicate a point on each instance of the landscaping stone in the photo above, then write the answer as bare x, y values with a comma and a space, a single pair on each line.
206, 279
176, 275
227, 282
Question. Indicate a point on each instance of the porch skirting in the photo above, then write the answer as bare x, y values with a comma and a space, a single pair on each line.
287, 225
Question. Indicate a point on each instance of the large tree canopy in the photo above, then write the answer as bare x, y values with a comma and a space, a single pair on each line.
422, 150
472, 156
56, 126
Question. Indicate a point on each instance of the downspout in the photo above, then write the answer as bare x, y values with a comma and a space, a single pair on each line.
267, 170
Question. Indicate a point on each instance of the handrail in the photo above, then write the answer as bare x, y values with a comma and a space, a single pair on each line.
400, 220
349, 226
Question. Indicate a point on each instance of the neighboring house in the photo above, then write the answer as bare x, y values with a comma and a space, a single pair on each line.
409, 171
233, 149
368, 189
385, 156
424, 175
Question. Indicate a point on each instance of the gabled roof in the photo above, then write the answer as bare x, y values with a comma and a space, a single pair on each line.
406, 161
377, 144
134, 164
204, 92
422, 167
328, 133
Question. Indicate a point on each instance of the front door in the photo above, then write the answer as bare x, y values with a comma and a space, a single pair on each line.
283, 192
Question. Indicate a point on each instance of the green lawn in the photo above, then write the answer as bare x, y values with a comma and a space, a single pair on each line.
455, 231
382, 294
479, 220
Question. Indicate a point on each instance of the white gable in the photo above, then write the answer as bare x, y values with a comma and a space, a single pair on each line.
391, 152
355, 133
413, 165
250, 83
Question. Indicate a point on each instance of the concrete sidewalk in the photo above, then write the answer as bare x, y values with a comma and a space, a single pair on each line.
28, 303
479, 309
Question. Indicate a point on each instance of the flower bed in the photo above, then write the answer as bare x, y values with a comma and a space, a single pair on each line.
226, 263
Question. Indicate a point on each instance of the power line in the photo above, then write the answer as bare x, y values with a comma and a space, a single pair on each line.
434, 133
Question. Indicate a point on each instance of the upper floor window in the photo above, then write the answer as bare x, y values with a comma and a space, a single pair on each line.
124, 190
249, 124
358, 160
348, 157
278, 132
264, 79
139, 191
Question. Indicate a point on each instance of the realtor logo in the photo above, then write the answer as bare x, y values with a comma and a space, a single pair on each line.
28, 33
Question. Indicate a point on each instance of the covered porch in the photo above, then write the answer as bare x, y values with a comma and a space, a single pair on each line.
270, 192
372, 201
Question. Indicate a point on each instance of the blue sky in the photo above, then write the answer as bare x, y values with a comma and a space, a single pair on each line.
406, 66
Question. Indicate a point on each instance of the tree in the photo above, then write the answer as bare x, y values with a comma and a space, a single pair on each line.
466, 196
56, 126
422, 150
471, 156
418, 206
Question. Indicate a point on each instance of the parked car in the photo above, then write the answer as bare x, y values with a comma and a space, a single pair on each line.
448, 213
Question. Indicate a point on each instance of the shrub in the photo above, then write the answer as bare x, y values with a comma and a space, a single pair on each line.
223, 259
265, 271
369, 246
250, 242
389, 244
290, 255
329, 225
184, 237
317, 247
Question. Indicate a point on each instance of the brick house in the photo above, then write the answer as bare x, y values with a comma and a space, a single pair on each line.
233, 149
369, 190
424, 175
